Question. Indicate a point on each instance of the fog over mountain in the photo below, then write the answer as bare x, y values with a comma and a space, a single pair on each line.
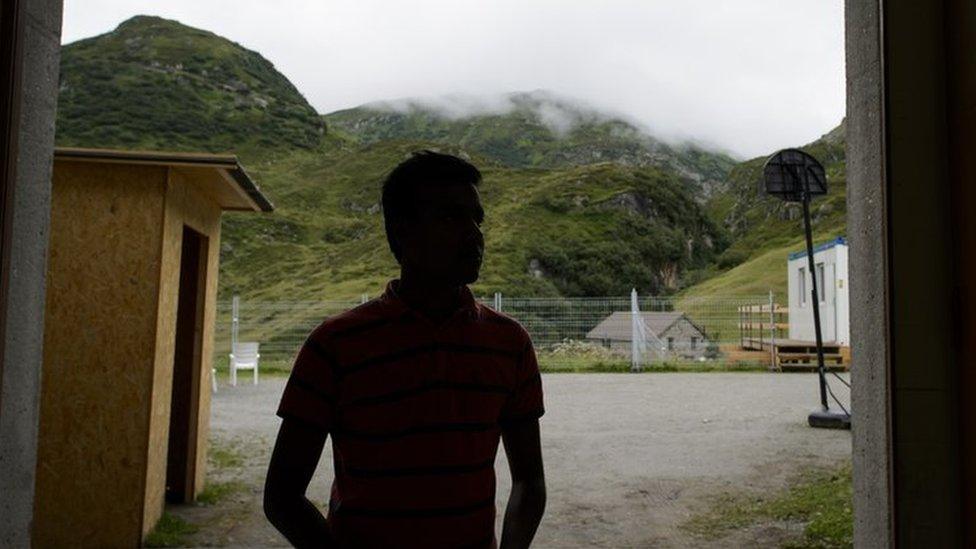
560, 113
750, 75
538, 129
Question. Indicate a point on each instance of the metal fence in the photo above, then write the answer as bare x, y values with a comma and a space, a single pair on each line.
563, 329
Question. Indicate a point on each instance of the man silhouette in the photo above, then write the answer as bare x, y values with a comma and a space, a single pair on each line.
416, 388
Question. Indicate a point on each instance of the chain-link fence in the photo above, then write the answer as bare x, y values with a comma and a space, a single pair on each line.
568, 332
279, 326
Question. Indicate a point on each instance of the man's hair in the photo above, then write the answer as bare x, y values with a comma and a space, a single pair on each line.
423, 169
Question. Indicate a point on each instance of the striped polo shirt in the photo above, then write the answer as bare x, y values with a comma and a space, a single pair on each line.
415, 411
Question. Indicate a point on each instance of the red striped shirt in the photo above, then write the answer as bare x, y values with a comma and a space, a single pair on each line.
415, 411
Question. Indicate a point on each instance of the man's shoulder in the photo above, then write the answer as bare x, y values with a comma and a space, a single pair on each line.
503, 324
358, 319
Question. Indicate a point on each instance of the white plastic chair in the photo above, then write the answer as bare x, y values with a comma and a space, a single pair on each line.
244, 356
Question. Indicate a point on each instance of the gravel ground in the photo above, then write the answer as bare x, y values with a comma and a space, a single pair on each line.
628, 457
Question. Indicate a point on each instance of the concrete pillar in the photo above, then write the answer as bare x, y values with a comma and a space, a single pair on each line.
867, 234
36, 59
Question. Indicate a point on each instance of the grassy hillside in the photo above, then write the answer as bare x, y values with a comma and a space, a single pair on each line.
594, 207
757, 221
157, 84
579, 202
764, 230
764, 272
531, 130
588, 230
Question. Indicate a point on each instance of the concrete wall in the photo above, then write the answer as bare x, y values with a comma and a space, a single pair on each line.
867, 224
99, 353
910, 138
20, 375
185, 204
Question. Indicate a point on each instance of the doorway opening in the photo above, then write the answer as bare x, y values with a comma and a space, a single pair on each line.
185, 401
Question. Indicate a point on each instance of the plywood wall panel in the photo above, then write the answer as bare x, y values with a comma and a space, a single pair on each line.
186, 204
99, 353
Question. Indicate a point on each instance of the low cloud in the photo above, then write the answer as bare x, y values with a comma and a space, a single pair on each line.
741, 74
559, 113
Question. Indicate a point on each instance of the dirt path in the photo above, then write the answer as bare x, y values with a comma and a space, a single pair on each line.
628, 457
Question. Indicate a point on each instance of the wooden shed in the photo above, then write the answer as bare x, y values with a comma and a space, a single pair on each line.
128, 338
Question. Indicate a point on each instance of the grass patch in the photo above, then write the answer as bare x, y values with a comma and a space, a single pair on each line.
820, 498
548, 363
217, 491
574, 356
170, 531
588, 365
763, 272
223, 457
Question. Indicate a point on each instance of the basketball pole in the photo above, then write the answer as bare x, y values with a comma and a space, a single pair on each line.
825, 417
790, 174
811, 265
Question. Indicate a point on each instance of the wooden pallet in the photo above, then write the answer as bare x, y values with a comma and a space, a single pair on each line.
808, 361
795, 355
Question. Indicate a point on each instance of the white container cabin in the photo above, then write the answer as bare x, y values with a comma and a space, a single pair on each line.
830, 262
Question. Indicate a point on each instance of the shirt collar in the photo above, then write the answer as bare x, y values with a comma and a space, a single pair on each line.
467, 304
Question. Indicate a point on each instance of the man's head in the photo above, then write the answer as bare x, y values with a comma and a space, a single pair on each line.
432, 211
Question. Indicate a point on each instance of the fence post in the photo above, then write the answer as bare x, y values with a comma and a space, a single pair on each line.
498, 301
742, 335
235, 320
772, 332
757, 320
636, 334
363, 298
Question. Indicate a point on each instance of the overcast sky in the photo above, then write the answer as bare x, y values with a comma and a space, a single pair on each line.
749, 76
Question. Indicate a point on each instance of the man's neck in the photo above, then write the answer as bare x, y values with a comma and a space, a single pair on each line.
435, 301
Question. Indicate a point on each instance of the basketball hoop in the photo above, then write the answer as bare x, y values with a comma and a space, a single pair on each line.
792, 174
796, 176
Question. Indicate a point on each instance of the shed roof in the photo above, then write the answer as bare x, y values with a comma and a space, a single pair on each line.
234, 189
617, 326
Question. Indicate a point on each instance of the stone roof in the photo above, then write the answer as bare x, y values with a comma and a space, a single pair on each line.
617, 326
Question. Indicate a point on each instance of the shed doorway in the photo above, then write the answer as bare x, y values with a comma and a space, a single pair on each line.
184, 403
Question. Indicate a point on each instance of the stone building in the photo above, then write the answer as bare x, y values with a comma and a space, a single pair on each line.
670, 335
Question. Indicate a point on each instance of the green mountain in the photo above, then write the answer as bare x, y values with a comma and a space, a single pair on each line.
588, 230
530, 130
157, 84
579, 202
764, 230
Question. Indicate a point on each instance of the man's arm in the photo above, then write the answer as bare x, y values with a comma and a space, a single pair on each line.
528, 499
293, 461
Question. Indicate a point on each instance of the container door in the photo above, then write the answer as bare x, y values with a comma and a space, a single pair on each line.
828, 303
